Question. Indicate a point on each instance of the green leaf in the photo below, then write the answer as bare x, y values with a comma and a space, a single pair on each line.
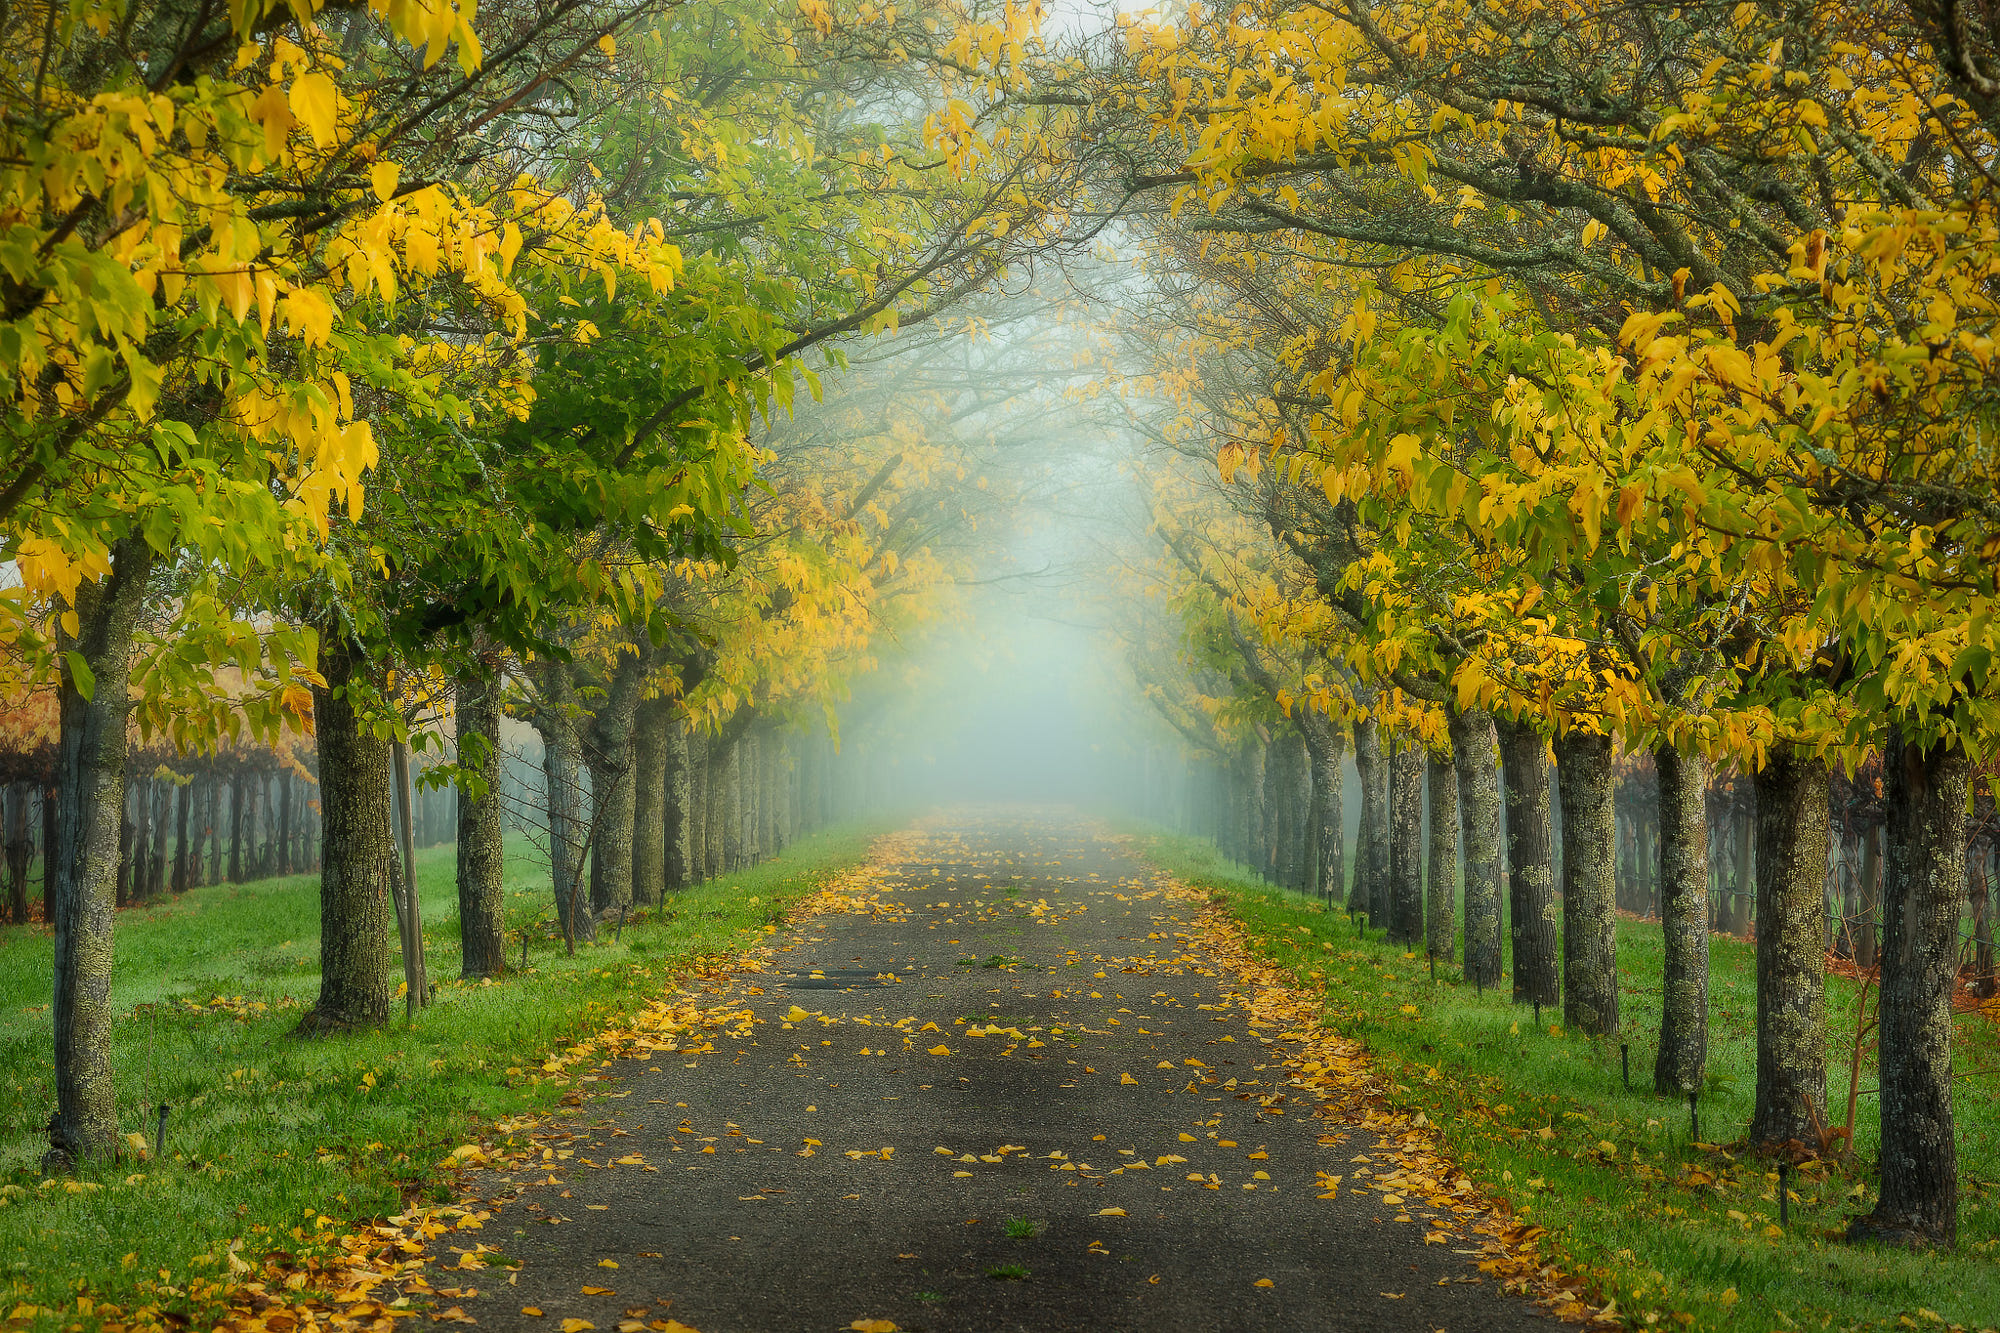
81, 676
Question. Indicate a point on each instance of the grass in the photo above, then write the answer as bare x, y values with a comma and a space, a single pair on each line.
266, 1130
1679, 1234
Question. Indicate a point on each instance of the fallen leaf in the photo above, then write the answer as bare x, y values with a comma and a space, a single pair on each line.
1111, 1212
607, 1263
599, 1291
1263, 1282
874, 1326
1127, 1078
940, 1049
532, 1310
576, 1325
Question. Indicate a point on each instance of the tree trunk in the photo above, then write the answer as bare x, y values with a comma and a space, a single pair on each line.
1531, 879
1375, 823
697, 803
284, 865
156, 865
1589, 906
1257, 848
649, 800
1441, 905
1983, 981
1406, 841
1923, 886
556, 720
50, 804
608, 751
749, 775
732, 807
1472, 754
90, 799
482, 905
1791, 942
1866, 927
1741, 902
1682, 1062
1324, 753
18, 849
1242, 830
236, 825
416, 967
715, 802
183, 810
354, 883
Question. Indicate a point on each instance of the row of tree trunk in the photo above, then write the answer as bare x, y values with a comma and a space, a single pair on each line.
233, 819
1760, 854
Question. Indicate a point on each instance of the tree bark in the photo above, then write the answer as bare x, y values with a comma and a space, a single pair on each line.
1866, 935
1473, 745
715, 802
1371, 845
156, 866
1257, 849
608, 751
1324, 753
284, 865
1922, 889
732, 807
697, 803
90, 801
1682, 1061
183, 810
482, 907
1406, 840
1589, 865
1531, 878
50, 804
556, 721
649, 800
1441, 901
357, 846
236, 824
749, 782
1791, 941
18, 848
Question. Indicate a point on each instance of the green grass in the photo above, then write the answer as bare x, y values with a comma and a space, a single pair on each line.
1525, 1111
267, 1130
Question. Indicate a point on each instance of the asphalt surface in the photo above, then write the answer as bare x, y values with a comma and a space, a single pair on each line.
748, 1189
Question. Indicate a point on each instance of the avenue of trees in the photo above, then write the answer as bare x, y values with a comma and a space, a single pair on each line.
1543, 401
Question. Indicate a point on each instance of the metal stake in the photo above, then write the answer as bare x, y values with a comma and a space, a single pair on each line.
160, 1136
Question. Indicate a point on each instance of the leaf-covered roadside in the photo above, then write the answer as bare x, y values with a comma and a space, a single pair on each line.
1658, 1231
258, 1220
1414, 1160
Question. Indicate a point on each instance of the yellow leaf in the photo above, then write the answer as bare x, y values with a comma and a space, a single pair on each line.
599, 1291
316, 103
383, 176
1263, 1282
608, 44
1187, 1138
940, 1049
607, 1263
533, 1310
1127, 1078
310, 316
1111, 1212
576, 1325
874, 1326
796, 1015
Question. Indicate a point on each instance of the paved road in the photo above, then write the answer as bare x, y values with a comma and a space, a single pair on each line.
1080, 1094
